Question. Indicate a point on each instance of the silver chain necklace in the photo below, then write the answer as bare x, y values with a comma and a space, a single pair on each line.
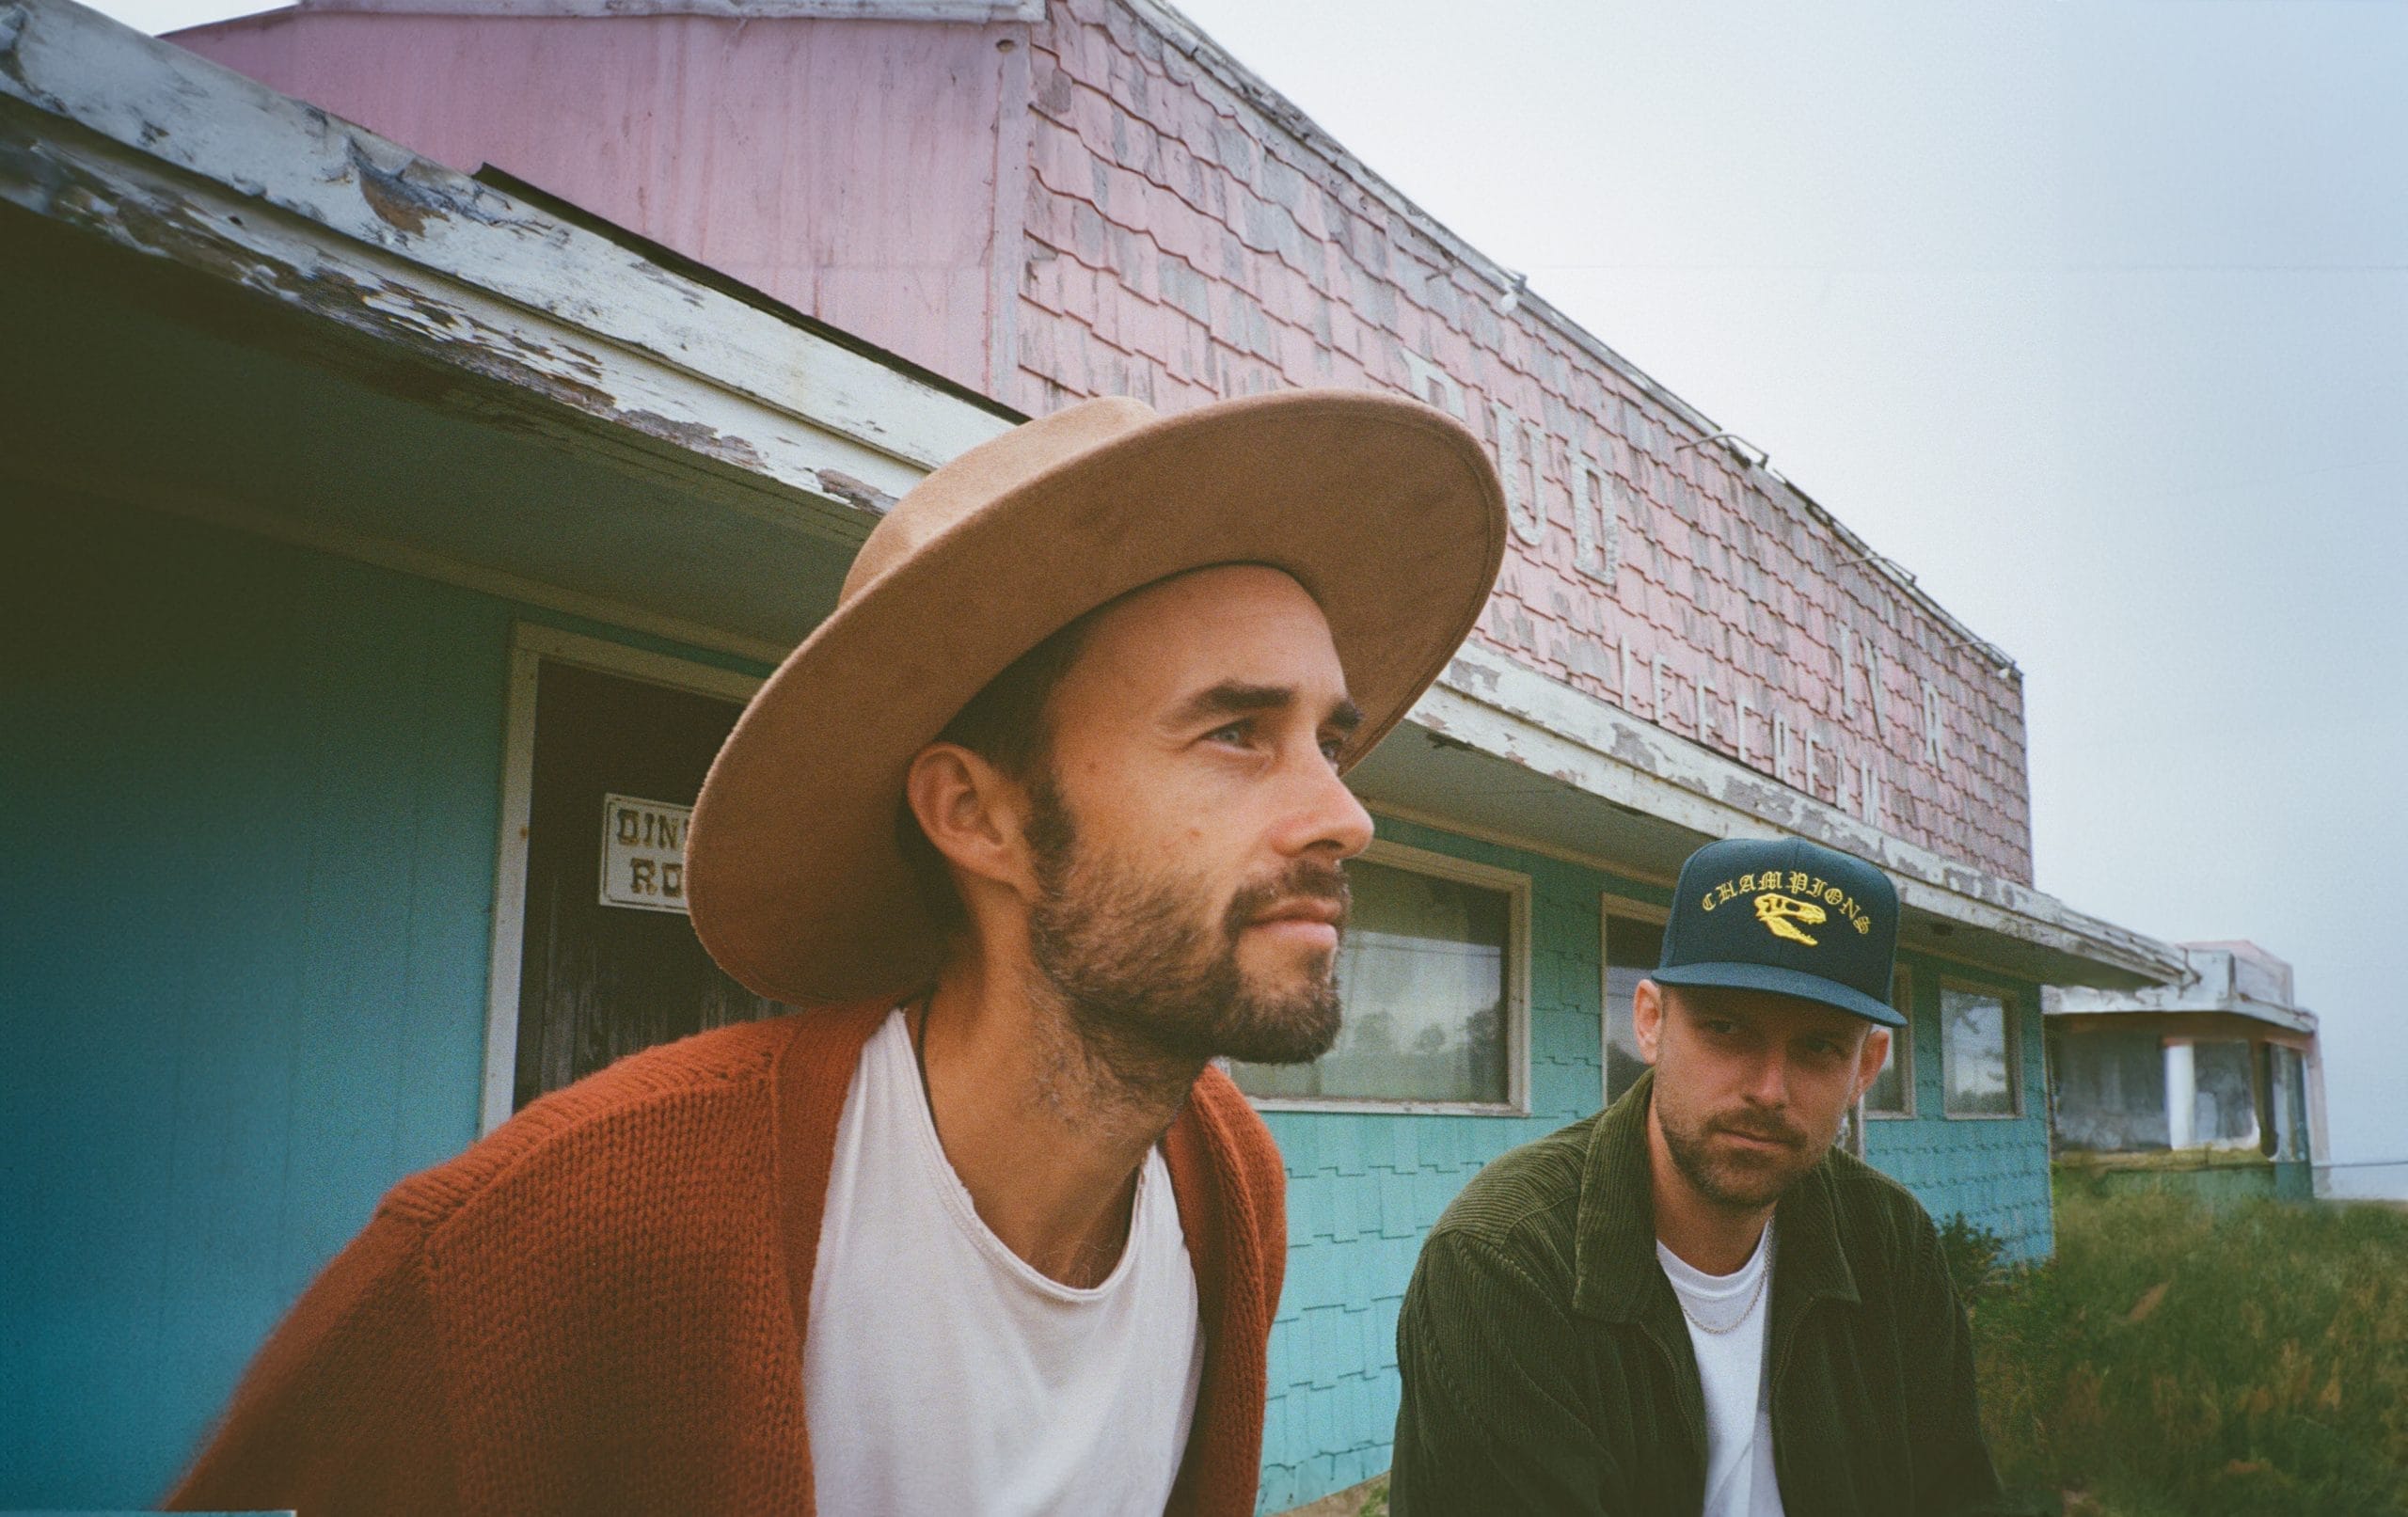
1732, 1326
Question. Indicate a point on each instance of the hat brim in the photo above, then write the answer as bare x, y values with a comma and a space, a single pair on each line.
1386, 510
1797, 983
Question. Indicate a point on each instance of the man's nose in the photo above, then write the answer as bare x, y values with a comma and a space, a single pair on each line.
1769, 1088
1327, 818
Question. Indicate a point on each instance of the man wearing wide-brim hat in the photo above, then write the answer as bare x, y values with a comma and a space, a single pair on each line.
1047, 815
1692, 1303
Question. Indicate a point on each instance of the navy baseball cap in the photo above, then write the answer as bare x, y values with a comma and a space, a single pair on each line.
1787, 916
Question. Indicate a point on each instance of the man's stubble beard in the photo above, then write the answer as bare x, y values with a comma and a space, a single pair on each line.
1145, 979
1736, 1185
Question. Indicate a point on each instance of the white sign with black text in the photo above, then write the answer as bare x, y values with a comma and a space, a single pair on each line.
643, 853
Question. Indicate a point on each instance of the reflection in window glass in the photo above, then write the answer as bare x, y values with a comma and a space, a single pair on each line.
1633, 948
1423, 976
2223, 1106
2288, 1082
1890, 1095
2110, 1092
1975, 1070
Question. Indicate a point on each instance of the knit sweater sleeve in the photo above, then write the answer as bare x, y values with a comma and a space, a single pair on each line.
345, 1409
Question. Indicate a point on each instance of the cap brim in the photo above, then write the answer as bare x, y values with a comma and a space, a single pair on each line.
1782, 982
1385, 510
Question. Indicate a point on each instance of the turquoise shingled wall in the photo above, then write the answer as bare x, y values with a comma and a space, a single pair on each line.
245, 989
247, 996
1994, 1170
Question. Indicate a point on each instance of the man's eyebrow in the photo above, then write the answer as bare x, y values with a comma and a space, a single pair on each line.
1234, 698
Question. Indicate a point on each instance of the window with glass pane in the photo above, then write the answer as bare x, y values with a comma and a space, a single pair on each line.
2223, 1103
1424, 972
1633, 948
1892, 1093
2110, 1092
2288, 1082
1976, 1053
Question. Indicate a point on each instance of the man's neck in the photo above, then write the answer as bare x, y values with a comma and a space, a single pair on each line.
1046, 1131
1706, 1235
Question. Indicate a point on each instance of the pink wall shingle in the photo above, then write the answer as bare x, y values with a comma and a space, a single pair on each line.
1213, 252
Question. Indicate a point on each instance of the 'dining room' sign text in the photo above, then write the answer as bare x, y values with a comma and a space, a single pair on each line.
643, 853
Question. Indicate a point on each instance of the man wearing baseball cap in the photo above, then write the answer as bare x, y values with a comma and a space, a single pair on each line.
1046, 816
1692, 1303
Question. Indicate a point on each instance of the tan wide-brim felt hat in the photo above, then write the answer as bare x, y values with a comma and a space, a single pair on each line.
1387, 511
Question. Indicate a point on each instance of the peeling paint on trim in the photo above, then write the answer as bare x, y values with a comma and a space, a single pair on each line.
1495, 706
230, 140
120, 195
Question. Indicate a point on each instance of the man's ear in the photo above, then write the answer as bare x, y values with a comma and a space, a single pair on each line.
1869, 1060
974, 814
1647, 1016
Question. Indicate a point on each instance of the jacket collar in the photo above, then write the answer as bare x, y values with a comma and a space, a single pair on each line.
1615, 1275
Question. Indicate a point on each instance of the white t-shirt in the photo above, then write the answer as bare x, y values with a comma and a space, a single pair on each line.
1739, 1479
943, 1374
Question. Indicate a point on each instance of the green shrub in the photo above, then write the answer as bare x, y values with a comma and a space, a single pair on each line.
2174, 1360
1973, 1254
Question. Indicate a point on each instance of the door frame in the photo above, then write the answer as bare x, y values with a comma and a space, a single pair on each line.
531, 645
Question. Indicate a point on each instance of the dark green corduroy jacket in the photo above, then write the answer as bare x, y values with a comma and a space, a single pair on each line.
1547, 1367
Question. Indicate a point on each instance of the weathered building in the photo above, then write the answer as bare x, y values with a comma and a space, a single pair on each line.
2213, 1085
458, 519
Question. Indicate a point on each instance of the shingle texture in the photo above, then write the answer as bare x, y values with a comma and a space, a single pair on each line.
1185, 241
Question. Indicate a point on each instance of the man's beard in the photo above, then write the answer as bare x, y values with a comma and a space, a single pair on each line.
1736, 1179
1140, 969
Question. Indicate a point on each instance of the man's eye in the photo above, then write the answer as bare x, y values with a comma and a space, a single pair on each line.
1236, 732
1333, 748
1721, 1028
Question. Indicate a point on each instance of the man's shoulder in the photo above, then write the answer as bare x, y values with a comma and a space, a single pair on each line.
1877, 1217
632, 1123
1524, 1204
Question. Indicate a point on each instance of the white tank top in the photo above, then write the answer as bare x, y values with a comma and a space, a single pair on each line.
1728, 1315
943, 1374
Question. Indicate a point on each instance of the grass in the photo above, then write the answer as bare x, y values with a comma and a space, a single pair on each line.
2175, 1360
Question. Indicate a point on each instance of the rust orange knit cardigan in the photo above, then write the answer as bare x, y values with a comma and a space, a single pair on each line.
601, 1307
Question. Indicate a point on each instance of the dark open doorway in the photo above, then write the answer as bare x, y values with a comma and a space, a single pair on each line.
609, 962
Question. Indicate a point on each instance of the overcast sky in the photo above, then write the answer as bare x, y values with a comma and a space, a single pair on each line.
2094, 315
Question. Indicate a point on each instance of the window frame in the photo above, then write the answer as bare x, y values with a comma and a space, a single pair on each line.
1515, 886
2011, 1022
1611, 904
2278, 1092
1902, 1045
